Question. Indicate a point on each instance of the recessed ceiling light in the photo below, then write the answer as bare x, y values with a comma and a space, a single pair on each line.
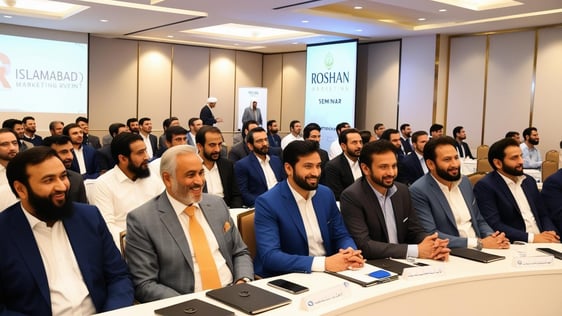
421, 19
41, 9
236, 44
481, 5
304, 21
442, 10
358, 7
104, 21
294, 43
358, 30
248, 33
8, 16
170, 36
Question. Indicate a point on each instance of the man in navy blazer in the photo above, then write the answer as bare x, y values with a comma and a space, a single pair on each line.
462, 147
440, 213
87, 152
509, 200
257, 172
290, 242
552, 196
57, 256
413, 167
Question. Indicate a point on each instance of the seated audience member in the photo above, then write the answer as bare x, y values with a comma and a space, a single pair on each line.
343, 170
393, 136
88, 139
509, 200
128, 185
379, 128
551, 194
436, 130
183, 240
133, 125
103, 155
241, 149
312, 131
514, 135
335, 147
195, 125
444, 201
273, 137
175, 135
366, 137
406, 138
9, 148
413, 167
257, 172
171, 121
17, 126
462, 147
150, 140
219, 171
30, 127
63, 147
55, 128
378, 212
298, 225
57, 256
531, 155
84, 161
295, 128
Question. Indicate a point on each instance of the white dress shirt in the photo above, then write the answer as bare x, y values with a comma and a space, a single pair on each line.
335, 149
267, 171
148, 144
80, 159
288, 139
8, 197
213, 180
355, 168
69, 294
224, 272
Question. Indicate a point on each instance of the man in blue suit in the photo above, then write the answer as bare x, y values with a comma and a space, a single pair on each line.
552, 195
445, 203
509, 200
413, 166
85, 160
57, 256
257, 172
297, 223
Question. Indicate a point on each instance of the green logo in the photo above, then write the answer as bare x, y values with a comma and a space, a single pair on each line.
329, 61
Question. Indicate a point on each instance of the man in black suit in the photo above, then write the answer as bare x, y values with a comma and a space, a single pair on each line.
206, 114
273, 137
312, 132
151, 141
88, 139
460, 135
84, 161
219, 172
412, 167
241, 150
104, 158
393, 136
379, 215
344, 169
406, 138
62, 145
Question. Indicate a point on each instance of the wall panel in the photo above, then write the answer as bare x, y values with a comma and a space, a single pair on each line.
221, 85
273, 81
248, 74
294, 84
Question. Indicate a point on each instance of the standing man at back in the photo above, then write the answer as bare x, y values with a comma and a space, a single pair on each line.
252, 113
206, 114
406, 138
462, 147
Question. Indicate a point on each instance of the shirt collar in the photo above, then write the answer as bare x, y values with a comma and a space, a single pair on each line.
444, 187
297, 196
33, 221
389, 193
179, 207
509, 182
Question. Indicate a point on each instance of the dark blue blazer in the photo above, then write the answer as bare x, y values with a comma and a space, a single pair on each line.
282, 245
251, 179
552, 196
90, 158
24, 286
407, 148
466, 150
274, 140
499, 208
409, 169
206, 115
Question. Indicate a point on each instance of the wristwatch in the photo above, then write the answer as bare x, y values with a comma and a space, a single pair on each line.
246, 280
479, 244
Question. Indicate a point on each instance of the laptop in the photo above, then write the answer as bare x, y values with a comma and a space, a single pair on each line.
390, 265
367, 276
248, 298
193, 307
475, 255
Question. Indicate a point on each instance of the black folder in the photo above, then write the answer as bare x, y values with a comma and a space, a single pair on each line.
390, 265
193, 307
475, 255
248, 298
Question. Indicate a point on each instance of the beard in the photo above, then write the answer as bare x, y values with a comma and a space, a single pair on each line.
262, 151
382, 182
534, 142
513, 171
447, 176
302, 183
212, 156
46, 210
141, 171
182, 193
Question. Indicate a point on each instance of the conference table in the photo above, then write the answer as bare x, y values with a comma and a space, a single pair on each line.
462, 287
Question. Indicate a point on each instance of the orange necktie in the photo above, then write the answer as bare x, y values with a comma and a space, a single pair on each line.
207, 267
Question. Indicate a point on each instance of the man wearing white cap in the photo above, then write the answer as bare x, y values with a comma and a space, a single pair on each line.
206, 114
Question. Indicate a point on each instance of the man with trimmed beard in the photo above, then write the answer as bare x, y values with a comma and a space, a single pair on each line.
343, 170
532, 158
510, 200
57, 256
9, 148
30, 128
219, 171
128, 185
84, 161
444, 201
297, 223
183, 240
257, 172
379, 214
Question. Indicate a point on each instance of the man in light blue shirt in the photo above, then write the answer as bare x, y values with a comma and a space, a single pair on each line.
531, 155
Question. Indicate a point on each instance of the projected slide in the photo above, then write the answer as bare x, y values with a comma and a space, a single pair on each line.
43, 76
330, 87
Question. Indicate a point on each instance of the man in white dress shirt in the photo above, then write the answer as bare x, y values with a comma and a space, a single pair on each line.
9, 148
295, 133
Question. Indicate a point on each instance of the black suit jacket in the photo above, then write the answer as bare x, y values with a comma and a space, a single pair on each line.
92, 140
466, 150
92, 169
238, 152
406, 145
206, 115
409, 169
338, 175
232, 196
365, 221
104, 159
154, 145
77, 192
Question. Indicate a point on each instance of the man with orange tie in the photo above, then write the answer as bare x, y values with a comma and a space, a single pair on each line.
184, 240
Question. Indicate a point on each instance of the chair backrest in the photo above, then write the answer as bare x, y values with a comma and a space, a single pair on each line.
482, 152
475, 177
548, 168
246, 228
123, 242
482, 165
552, 155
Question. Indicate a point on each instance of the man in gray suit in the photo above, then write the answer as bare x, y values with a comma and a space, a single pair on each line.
159, 249
252, 113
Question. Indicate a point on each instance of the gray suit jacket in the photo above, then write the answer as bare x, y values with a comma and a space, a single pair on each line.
158, 254
436, 215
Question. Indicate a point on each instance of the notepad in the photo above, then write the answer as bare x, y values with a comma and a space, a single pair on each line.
390, 265
475, 255
193, 307
248, 298
367, 276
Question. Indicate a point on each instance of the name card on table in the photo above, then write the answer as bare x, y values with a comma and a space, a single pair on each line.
321, 298
423, 272
525, 261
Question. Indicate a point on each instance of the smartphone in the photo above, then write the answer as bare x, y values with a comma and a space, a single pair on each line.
421, 264
556, 254
287, 286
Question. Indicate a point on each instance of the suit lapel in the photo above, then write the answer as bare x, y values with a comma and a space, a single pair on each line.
374, 201
292, 210
440, 197
256, 166
171, 222
504, 189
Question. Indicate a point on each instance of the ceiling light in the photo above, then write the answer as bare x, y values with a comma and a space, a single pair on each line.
421, 19
41, 9
104, 21
480, 5
147, 7
8, 16
304, 21
248, 33
170, 36
294, 43
358, 30
442, 10
357, 7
